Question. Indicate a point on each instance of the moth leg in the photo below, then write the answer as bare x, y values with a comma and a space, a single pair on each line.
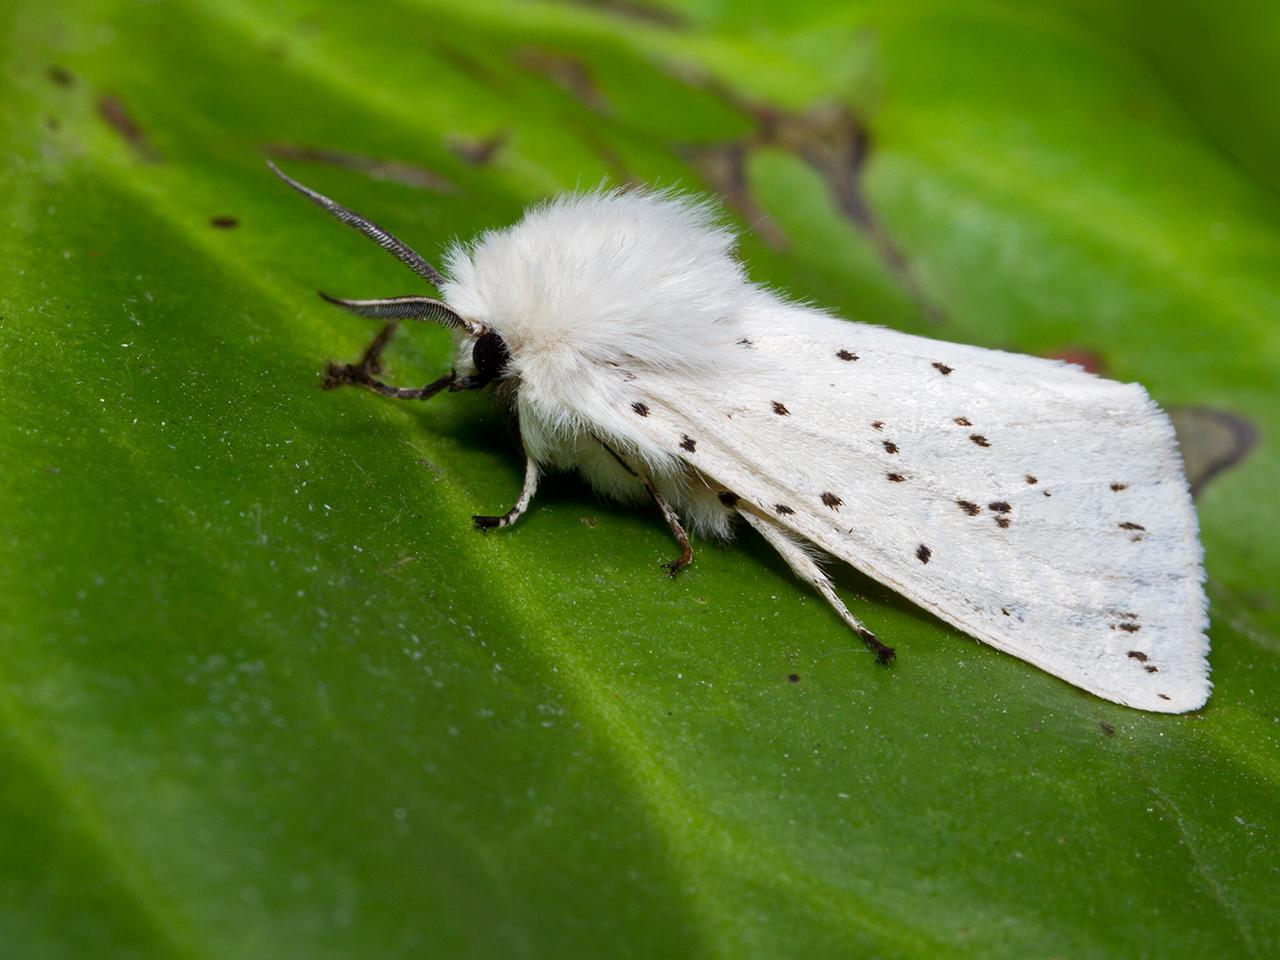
668, 513
807, 569
522, 504
365, 372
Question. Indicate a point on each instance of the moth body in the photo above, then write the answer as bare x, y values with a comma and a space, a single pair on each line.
1036, 507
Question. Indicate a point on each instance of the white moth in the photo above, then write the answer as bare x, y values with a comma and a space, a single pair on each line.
1032, 505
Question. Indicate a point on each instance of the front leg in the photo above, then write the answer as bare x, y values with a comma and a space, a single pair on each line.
522, 504
365, 372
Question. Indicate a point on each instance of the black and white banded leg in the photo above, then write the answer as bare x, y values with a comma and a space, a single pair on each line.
522, 504
365, 372
807, 569
668, 513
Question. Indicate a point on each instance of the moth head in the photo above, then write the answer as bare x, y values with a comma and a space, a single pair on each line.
483, 356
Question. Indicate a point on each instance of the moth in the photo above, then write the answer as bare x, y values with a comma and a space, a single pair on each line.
1036, 507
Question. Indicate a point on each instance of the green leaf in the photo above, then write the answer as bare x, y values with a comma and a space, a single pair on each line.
263, 693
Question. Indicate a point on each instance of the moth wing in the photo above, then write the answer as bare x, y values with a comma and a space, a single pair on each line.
1032, 505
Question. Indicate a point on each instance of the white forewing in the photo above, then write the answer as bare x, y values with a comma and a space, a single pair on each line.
1034, 506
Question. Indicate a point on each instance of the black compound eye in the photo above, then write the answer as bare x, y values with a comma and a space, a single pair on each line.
490, 357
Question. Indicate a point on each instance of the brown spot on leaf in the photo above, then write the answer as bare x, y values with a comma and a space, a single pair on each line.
61, 76
1106, 728
224, 222
117, 116
923, 553
411, 175
793, 678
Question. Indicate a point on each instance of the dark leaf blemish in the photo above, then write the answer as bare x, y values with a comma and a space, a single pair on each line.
783, 509
832, 501
224, 222
793, 678
979, 439
1127, 525
780, 410
972, 509
1107, 728
61, 76
1137, 655
963, 422
895, 477
923, 553
890, 447
640, 408
1117, 487
942, 368
688, 443
846, 355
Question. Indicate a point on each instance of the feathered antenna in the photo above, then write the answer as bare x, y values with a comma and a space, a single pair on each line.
394, 308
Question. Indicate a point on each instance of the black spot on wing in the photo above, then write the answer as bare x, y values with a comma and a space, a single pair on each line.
746, 342
1031, 480
688, 443
783, 509
942, 368
780, 409
1002, 523
923, 553
877, 424
972, 509
999, 506
963, 422
832, 501
1164, 696
846, 355
1137, 655
640, 408
979, 439
895, 477
1130, 627
890, 446
1128, 525
1117, 487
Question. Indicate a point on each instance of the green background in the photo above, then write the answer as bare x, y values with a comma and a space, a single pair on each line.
264, 693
